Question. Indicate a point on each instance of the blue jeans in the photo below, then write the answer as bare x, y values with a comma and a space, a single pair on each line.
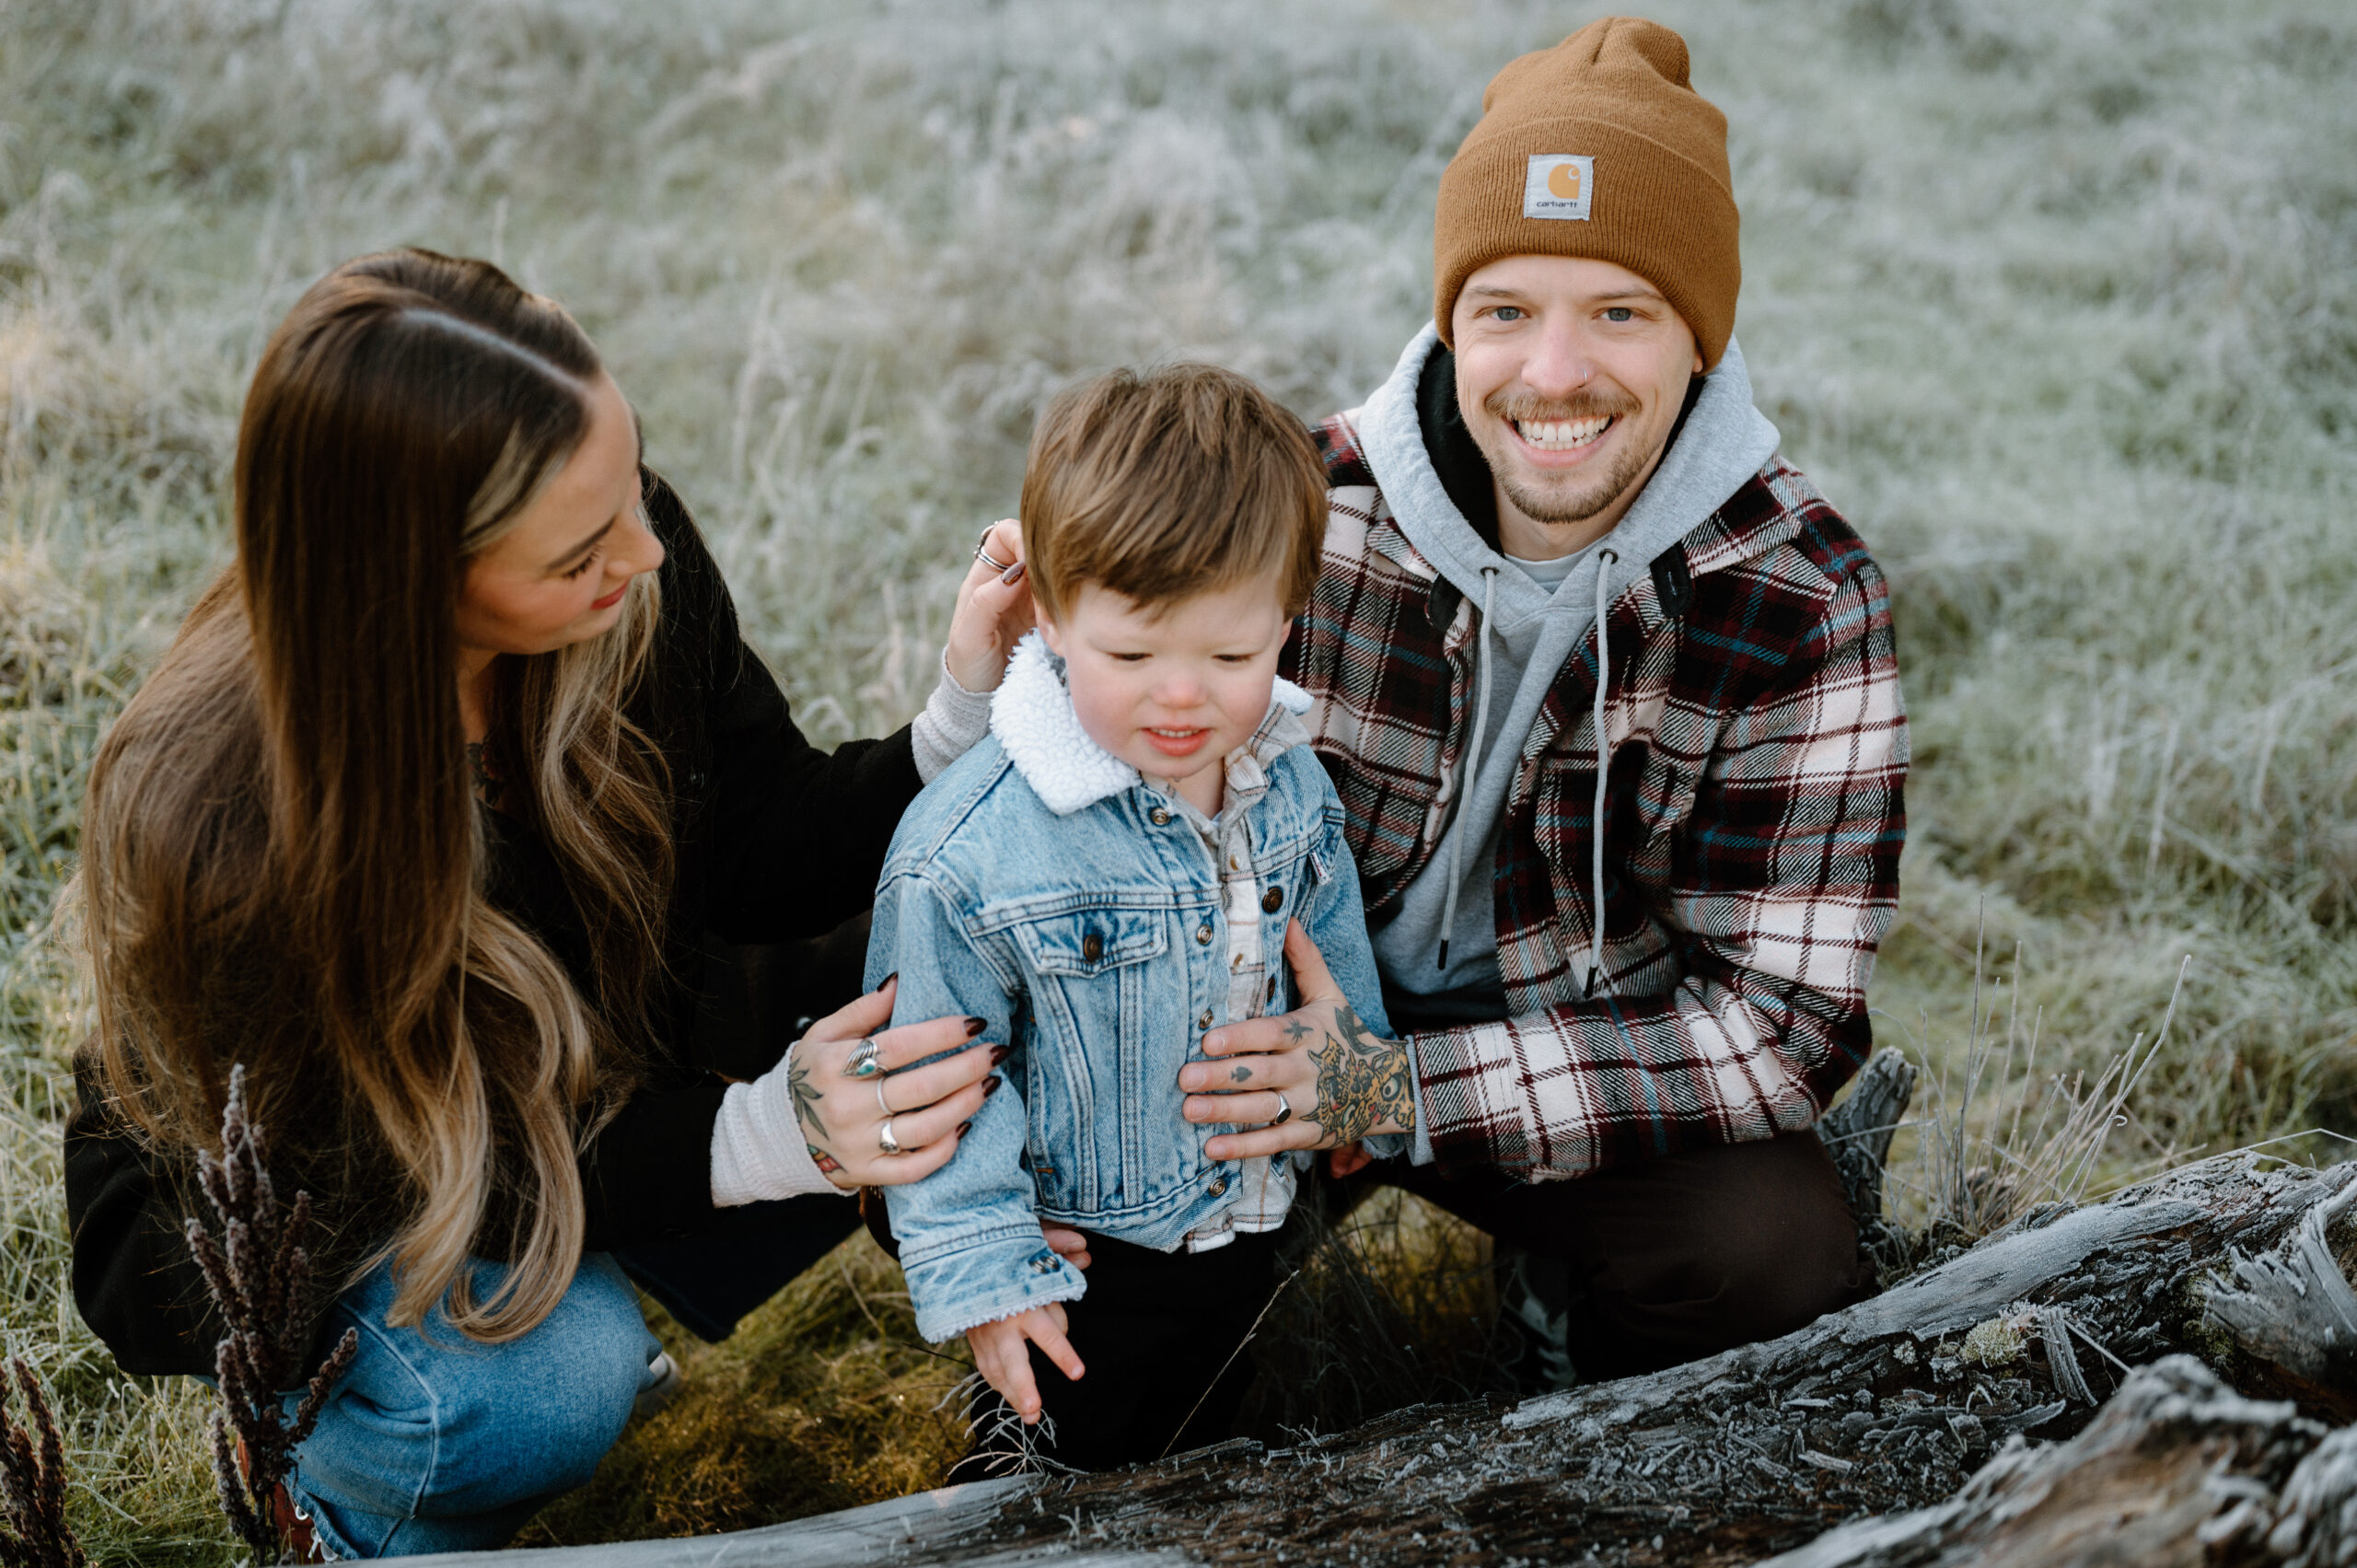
434, 1442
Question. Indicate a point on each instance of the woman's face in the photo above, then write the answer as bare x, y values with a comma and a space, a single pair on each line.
557, 576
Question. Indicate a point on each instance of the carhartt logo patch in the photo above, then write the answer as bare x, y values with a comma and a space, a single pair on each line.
1558, 186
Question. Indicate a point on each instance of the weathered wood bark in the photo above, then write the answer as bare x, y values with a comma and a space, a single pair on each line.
2293, 1310
1888, 1407
1857, 1135
2177, 1471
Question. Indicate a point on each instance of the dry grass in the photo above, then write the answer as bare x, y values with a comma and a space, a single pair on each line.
2058, 303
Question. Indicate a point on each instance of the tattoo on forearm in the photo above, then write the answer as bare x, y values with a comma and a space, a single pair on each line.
1362, 1079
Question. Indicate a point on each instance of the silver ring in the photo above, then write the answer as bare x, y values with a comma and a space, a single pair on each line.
884, 1139
861, 1062
879, 1100
982, 553
1285, 1109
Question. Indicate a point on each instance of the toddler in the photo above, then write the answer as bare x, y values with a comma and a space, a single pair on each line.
1107, 878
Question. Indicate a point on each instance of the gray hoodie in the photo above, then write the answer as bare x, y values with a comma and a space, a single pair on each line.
1439, 954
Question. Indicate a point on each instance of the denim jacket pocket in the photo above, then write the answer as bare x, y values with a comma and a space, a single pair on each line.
1090, 1052
1090, 941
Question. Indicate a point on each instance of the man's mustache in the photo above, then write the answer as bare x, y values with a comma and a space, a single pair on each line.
1596, 402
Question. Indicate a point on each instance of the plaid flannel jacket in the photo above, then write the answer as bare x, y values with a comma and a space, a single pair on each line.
1754, 818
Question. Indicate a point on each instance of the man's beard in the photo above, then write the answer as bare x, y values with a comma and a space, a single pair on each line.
1555, 504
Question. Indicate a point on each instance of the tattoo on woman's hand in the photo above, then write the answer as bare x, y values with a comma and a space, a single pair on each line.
1362, 1079
805, 1112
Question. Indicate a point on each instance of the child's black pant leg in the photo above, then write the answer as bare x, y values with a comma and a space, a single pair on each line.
1158, 1332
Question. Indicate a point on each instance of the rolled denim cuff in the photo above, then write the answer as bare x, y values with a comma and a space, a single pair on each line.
981, 1278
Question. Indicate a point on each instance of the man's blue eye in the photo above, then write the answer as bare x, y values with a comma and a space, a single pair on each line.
1619, 313
1509, 312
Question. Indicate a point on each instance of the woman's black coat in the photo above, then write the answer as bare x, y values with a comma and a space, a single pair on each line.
775, 840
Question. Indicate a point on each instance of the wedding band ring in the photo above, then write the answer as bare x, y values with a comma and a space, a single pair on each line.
982, 553
884, 1139
861, 1062
879, 1100
1285, 1109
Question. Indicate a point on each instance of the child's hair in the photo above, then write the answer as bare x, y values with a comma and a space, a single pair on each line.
1167, 483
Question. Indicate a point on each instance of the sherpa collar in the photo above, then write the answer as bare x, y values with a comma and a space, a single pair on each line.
1033, 718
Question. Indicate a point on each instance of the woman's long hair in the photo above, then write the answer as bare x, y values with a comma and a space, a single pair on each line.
284, 861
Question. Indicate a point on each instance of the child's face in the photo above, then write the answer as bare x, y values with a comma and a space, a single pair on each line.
1172, 690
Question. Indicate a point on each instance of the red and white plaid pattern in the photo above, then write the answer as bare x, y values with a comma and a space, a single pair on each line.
1754, 818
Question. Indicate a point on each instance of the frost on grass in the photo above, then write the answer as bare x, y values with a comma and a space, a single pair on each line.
2058, 302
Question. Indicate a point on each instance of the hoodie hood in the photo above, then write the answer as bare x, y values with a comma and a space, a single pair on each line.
1033, 719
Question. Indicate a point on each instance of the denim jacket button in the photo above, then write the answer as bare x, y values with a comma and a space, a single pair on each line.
1158, 817
1092, 948
1203, 1020
1202, 935
1218, 1186
1271, 899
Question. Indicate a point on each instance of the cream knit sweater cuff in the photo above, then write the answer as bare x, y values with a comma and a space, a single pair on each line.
953, 719
758, 1150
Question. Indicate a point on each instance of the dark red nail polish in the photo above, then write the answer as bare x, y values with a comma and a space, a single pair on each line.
887, 980
1000, 1053
976, 1025
965, 1127
990, 1085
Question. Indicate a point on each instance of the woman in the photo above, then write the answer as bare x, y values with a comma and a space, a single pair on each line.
423, 820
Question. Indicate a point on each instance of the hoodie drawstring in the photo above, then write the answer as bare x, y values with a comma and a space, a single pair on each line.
1604, 562
1472, 768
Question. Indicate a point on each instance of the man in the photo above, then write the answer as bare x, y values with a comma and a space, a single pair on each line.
1609, 693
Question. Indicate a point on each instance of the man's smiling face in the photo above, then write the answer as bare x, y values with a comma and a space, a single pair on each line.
1569, 374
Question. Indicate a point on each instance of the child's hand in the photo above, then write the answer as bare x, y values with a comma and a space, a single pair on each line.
1001, 1355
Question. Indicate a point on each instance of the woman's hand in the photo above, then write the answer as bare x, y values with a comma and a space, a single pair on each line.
1004, 1357
993, 610
843, 1105
1339, 1079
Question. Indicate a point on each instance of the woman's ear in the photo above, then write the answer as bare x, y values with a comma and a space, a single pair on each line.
1047, 631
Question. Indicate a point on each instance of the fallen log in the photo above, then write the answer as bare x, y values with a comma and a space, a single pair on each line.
1888, 1406
1883, 1410
2293, 1310
2177, 1471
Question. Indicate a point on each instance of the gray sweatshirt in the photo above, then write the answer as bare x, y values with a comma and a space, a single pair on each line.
1525, 635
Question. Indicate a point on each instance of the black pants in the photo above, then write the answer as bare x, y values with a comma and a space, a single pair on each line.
711, 1281
1671, 1258
1160, 1335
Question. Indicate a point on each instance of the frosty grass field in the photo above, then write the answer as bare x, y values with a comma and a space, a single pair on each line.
2058, 302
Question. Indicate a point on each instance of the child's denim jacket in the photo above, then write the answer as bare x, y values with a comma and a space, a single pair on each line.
1042, 885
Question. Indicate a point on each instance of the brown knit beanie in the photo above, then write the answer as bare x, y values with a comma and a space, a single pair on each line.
1597, 147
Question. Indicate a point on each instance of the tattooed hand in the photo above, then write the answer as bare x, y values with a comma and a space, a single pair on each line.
1362, 1080
840, 1114
805, 1112
1339, 1079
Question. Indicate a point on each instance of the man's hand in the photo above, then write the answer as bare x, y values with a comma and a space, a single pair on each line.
1002, 1354
1341, 1080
